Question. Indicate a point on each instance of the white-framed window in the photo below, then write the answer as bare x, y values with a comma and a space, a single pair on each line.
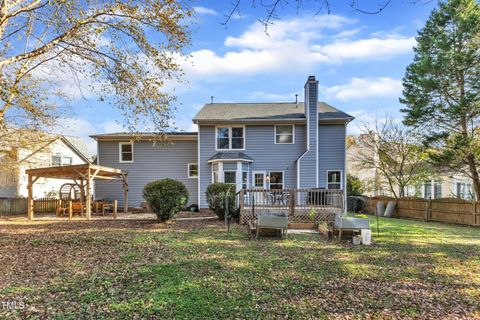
244, 180
58, 160
276, 179
464, 190
284, 134
215, 176
437, 189
334, 179
230, 138
230, 176
427, 190
193, 170
125, 152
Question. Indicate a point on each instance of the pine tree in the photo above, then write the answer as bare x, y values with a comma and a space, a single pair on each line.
441, 87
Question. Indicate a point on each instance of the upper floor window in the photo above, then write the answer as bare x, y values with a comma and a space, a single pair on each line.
229, 138
334, 179
193, 170
126, 152
58, 160
284, 134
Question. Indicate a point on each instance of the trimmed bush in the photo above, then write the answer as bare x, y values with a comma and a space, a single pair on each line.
166, 197
216, 195
355, 204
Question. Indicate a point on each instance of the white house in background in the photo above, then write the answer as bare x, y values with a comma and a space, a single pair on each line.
58, 151
447, 184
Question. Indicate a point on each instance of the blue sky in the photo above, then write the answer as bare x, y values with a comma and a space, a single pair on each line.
359, 60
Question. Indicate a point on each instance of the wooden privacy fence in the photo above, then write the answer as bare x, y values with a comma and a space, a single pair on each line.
18, 206
302, 205
448, 210
13, 206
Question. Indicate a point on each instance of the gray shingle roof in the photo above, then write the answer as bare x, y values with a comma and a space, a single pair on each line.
131, 134
265, 111
230, 156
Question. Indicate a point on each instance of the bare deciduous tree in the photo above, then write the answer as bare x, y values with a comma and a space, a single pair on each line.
395, 152
127, 48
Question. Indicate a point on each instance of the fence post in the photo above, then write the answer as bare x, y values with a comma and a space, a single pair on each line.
115, 209
474, 212
429, 209
291, 201
70, 209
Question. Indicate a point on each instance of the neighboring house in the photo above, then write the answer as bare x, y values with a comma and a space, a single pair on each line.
446, 184
54, 151
253, 145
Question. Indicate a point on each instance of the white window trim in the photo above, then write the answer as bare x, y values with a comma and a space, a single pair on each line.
283, 177
246, 184
120, 144
230, 137
234, 171
51, 159
264, 179
188, 170
341, 179
275, 134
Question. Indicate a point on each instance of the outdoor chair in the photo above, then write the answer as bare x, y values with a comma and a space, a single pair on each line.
78, 207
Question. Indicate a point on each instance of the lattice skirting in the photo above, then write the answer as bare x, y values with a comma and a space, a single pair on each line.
300, 215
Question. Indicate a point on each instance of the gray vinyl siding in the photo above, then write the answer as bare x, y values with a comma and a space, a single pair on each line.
308, 163
151, 162
260, 146
331, 155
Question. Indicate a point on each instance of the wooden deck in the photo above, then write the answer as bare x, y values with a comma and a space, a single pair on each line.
301, 205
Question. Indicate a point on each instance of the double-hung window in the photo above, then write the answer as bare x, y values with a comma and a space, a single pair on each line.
284, 134
126, 152
230, 138
193, 170
437, 189
334, 179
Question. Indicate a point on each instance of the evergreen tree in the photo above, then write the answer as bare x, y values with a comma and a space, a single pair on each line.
441, 87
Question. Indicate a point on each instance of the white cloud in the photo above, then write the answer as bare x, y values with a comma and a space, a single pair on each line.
359, 88
365, 49
205, 11
295, 43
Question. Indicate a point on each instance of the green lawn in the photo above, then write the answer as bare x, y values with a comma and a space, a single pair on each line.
136, 270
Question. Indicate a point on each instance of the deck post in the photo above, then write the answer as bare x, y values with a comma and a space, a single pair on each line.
30, 198
125, 193
88, 201
291, 202
115, 208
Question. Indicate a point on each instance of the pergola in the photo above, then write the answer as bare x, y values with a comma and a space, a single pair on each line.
82, 175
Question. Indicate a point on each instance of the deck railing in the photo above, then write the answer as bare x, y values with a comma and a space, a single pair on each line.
298, 203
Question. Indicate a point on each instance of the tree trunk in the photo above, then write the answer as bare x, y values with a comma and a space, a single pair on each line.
472, 166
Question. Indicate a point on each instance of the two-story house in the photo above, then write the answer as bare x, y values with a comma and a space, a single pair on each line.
51, 150
253, 145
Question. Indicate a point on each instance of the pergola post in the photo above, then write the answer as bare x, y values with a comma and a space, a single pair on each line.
88, 200
125, 193
30, 197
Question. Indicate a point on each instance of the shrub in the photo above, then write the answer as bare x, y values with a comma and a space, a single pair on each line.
165, 197
355, 204
355, 186
216, 194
